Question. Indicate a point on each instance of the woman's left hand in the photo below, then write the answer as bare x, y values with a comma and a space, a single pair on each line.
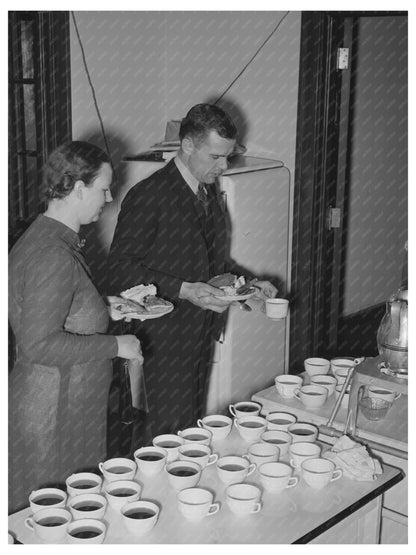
266, 290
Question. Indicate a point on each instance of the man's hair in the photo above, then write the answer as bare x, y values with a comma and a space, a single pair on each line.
203, 118
69, 163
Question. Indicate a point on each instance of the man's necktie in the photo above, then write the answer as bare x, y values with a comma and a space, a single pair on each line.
202, 196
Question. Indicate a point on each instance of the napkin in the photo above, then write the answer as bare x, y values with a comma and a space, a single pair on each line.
354, 460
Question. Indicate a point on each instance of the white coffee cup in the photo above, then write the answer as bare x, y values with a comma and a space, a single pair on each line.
325, 380
143, 524
219, 425
312, 396
121, 492
280, 420
197, 503
251, 428
316, 365
201, 454
83, 482
86, 531
277, 309
260, 453
81, 506
277, 476
46, 498
318, 472
233, 469
183, 474
150, 460
280, 439
382, 393
244, 408
303, 431
118, 469
301, 451
40, 523
196, 435
243, 499
171, 444
287, 384
340, 367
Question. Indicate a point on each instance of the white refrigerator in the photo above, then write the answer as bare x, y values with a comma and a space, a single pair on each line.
254, 349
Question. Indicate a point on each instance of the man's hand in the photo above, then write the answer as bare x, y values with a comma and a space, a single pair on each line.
204, 295
267, 290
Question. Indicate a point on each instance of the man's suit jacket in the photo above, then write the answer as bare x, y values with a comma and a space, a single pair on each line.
159, 239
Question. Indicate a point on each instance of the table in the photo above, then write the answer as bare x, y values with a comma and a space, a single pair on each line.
297, 515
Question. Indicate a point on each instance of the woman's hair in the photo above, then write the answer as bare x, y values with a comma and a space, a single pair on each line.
69, 163
203, 118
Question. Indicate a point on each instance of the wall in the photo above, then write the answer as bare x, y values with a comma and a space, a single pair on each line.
377, 226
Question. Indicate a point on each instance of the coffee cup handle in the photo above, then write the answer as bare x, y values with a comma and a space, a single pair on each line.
256, 508
180, 433
214, 508
101, 466
251, 468
296, 393
232, 410
29, 524
397, 396
212, 459
292, 482
235, 423
336, 475
199, 423
245, 456
292, 463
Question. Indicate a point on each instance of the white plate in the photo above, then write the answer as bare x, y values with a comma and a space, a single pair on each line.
236, 297
117, 315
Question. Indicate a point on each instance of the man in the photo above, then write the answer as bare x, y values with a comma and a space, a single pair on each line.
171, 232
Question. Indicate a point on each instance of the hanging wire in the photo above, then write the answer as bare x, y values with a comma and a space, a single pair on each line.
94, 96
252, 58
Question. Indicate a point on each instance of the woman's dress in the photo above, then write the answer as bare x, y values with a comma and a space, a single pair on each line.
58, 388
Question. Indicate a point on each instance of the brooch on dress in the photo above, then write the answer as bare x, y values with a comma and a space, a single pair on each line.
81, 243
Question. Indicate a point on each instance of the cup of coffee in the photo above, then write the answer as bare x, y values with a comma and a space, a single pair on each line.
325, 380
244, 408
88, 505
277, 476
287, 384
312, 396
50, 524
316, 365
277, 309
382, 393
118, 469
340, 368
280, 420
197, 503
280, 439
218, 425
170, 443
303, 431
140, 517
183, 474
201, 454
250, 428
86, 530
121, 492
196, 435
150, 460
301, 451
318, 472
243, 499
83, 482
260, 453
233, 469
47, 498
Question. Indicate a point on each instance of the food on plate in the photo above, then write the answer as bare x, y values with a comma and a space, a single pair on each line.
140, 299
230, 284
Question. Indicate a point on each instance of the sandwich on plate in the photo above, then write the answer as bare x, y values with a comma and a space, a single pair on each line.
140, 300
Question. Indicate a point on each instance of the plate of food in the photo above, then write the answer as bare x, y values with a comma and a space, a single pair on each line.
235, 288
138, 303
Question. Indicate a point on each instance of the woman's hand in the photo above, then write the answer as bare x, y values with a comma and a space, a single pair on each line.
129, 347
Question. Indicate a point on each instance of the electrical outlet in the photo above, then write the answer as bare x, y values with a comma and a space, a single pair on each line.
343, 58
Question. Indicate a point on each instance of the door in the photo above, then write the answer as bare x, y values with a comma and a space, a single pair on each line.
350, 206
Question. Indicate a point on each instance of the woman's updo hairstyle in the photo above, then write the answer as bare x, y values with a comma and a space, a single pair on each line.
69, 163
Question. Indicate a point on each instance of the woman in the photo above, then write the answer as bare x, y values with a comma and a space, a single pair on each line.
59, 385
